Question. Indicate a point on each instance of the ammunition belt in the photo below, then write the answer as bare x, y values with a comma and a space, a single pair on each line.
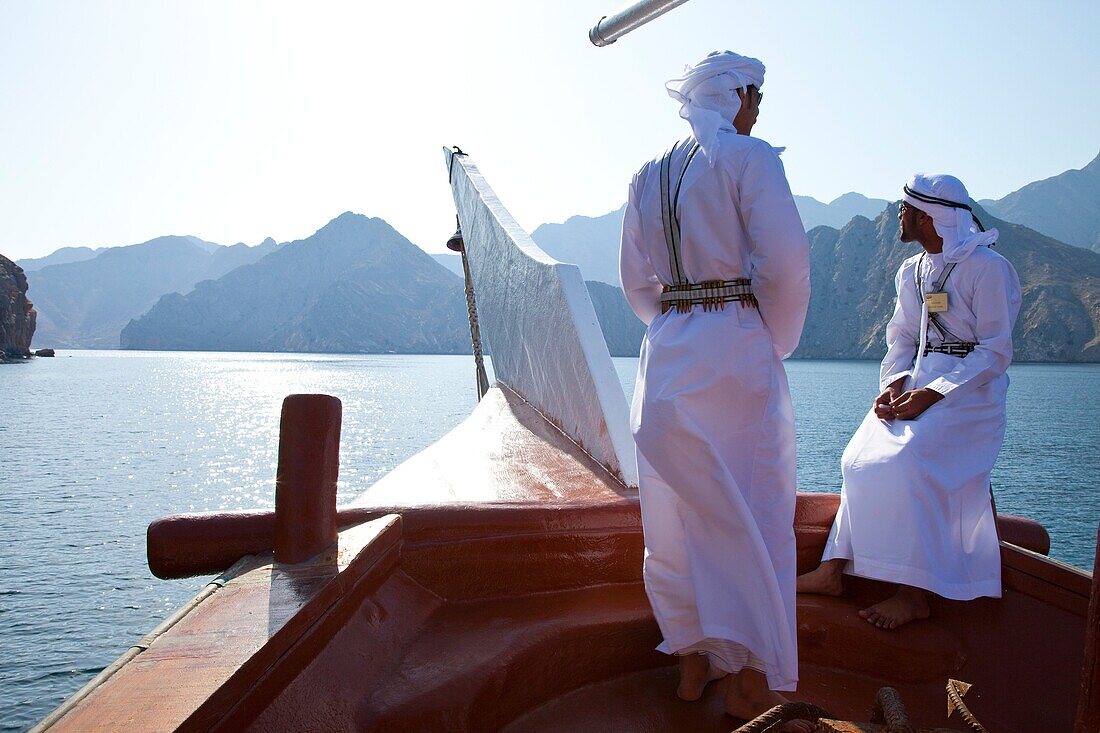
951, 348
711, 294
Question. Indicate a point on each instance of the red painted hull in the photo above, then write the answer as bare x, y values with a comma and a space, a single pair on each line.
493, 583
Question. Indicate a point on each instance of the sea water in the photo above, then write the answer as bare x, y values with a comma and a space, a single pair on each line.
95, 445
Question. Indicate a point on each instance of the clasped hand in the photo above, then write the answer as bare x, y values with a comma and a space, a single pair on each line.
893, 403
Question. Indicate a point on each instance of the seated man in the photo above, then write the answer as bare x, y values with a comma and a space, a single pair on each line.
916, 505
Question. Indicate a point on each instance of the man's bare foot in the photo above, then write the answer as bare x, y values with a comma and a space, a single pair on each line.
908, 604
695, 672
748, 696
824, 581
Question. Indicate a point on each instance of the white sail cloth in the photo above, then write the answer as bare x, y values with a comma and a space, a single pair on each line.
915, 504
707, 93
712, 415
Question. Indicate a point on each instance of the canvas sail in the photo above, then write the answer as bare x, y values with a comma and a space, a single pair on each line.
537, 318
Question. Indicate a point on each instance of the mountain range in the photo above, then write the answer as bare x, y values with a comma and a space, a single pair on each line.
837, 212
356, 285
1065, 207
592, 242
85, 303
359, 286
852, 272
62, 256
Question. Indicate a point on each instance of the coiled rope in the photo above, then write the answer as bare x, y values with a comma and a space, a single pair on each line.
888, 711
784, 713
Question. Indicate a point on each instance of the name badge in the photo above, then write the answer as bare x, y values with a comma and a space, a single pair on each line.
937, 302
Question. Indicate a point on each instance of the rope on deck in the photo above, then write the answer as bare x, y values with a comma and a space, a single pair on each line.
890, 711
784, 713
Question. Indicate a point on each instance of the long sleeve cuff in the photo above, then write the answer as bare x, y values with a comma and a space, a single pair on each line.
886, 381
944, 385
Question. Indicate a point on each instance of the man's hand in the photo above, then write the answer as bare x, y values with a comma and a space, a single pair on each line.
914, 402
881, 406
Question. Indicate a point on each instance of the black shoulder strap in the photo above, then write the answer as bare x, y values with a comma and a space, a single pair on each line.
666, 215
670, 199
937, 286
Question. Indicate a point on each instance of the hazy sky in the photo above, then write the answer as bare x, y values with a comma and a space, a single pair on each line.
234, 121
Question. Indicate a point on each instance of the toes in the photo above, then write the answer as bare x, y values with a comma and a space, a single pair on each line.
865, 613
690, 691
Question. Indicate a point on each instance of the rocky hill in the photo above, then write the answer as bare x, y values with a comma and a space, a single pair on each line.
359, 286
1065, 207
837, 212
17, 314
62, 256
356, 285
85, 304
451, 260
592, 242
622, 330
852, 271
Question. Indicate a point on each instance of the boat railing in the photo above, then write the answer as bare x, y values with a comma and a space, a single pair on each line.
536, 315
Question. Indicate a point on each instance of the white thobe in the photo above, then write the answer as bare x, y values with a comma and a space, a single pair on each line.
915, 505
712, 416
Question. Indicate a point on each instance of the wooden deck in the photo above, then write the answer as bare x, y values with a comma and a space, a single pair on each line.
493, 583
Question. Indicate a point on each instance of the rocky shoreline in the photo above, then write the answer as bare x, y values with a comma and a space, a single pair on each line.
17, 314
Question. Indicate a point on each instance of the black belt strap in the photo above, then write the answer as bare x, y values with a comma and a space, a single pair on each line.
951, 348
711, 294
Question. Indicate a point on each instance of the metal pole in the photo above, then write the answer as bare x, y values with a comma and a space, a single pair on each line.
610, 28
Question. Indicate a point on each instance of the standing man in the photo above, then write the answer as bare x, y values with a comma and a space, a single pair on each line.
916, 506
715, 260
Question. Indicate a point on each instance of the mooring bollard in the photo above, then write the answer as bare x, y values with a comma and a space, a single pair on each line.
305, 485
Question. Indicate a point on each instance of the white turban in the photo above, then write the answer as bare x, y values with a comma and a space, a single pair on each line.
708, 94
945, 199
